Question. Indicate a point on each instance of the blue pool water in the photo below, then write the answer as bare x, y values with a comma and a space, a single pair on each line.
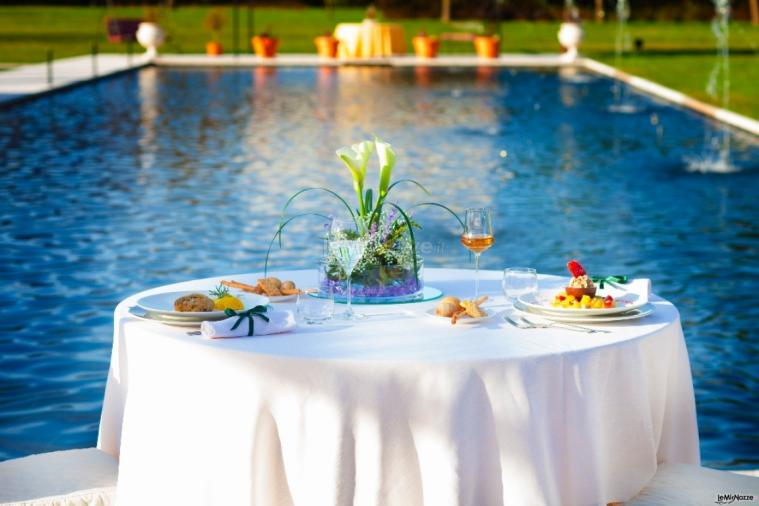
164, 175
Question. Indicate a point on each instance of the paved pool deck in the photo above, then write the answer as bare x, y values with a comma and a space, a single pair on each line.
28, 81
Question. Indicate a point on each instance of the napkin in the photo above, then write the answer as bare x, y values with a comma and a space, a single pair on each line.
279, 322
640, 287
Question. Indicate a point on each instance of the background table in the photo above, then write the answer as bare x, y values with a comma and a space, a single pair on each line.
369, 39
402, 410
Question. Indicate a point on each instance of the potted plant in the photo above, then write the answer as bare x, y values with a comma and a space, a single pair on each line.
214, 23
425, 46
487, 46
390, 269
264, 45
326, 45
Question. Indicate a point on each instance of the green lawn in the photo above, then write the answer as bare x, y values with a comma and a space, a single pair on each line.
678, 55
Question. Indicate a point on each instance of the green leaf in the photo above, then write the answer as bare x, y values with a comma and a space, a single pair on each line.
411, 236
368, 201
314, 188
376, 214
278, 234
461, 222
417, 183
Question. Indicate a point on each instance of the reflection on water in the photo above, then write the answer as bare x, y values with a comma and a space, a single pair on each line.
164, 175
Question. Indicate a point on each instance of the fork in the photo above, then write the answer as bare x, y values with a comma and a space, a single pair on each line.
515, 323
563, 325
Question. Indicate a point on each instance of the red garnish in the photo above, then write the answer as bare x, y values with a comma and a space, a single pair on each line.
561, 297
575, 268
609, 301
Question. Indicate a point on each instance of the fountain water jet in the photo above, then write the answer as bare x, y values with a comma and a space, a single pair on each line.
622, 41
717, 158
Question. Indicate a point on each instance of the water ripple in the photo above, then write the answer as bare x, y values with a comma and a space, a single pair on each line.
163, 175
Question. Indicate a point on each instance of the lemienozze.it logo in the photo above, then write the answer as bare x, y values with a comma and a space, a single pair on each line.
731, 498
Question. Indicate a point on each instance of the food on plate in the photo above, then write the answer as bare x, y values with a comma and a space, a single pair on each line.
454, 308
473, 308
451, 299
194, 302
565, 300
580, 285
243, 286
222, 299
273, 287
581, 292
288, 288
447, 308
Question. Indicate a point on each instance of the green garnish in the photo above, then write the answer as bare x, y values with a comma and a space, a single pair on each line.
219, 292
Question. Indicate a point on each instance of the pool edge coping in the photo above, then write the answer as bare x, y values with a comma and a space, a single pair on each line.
731, 118
515, 60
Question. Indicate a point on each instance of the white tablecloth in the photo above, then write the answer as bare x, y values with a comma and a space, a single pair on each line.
403, 410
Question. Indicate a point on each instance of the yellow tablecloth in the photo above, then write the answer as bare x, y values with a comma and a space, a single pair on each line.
369, 39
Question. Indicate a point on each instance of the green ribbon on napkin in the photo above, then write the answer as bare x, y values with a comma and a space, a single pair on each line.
259, 311
611, 279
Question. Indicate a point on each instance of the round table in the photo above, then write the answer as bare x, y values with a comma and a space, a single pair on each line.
400, 409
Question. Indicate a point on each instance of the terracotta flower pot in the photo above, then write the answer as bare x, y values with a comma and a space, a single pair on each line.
264, 47
425, 47
326, 46
214, 48
487, 46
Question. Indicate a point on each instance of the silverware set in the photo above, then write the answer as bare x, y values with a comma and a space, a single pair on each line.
523, 322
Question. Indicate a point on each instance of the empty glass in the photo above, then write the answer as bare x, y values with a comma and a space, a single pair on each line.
518, 281
347, 246
315, 310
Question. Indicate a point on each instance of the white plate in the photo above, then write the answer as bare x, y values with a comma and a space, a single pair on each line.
541, 303
209, 316
465, 320
282, 298
163, 304
633, 314
140, 314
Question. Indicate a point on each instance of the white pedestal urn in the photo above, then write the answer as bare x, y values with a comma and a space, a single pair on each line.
150, 36
570, 35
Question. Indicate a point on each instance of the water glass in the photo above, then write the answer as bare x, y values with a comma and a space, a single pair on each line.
518, 281
315, 310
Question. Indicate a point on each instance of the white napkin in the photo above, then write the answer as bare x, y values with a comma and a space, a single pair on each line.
640, 287
279, 321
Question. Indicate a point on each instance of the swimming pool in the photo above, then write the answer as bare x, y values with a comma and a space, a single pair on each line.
167, 174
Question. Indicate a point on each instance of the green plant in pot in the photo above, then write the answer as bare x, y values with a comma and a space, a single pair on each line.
391, 269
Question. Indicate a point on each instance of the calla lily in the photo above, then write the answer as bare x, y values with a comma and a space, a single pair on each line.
386, 157
356, 158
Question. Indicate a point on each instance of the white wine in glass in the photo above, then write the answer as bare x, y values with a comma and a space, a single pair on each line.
477, 237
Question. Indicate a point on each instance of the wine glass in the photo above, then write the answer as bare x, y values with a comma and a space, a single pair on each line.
347, 247
477, 237
518, 281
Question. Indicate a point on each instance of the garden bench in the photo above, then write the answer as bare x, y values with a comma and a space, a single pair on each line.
122, 29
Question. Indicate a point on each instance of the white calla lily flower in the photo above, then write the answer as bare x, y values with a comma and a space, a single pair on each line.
356, 158
386, 157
